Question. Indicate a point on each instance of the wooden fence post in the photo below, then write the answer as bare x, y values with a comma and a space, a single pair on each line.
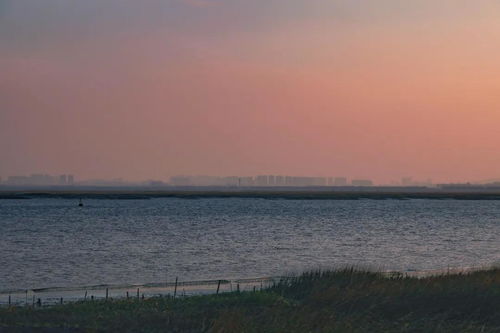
218, 287
175, 287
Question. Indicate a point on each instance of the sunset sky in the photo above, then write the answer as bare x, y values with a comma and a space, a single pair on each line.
146, 89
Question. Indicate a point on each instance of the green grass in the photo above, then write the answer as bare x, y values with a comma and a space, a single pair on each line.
332, 301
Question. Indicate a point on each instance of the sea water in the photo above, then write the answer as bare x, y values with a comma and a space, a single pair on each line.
54, 243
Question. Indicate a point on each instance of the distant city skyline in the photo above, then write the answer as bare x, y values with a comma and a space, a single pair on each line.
40, 179
258, 179
43, 179
269, 180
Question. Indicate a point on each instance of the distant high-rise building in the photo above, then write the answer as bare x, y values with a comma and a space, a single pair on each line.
261, 181
70, 180
320, 181
246, 181
361, 182
229, 181
340, 181
204, 181
17, 180
271, 180
280, 181
39, 179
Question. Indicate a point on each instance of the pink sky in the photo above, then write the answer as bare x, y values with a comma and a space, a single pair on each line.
372, 89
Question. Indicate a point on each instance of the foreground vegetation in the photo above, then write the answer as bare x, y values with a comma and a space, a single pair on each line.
340, 301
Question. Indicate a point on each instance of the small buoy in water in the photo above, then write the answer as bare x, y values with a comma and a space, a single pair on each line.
80, 204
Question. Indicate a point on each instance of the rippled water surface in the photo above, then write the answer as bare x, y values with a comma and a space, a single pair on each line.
52, 242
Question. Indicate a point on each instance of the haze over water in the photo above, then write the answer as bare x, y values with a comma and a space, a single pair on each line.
377, 89
52, 242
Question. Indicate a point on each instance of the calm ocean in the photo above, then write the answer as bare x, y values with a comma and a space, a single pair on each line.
53, 242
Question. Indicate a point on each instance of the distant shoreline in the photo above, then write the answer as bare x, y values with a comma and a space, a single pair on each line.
310, 193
